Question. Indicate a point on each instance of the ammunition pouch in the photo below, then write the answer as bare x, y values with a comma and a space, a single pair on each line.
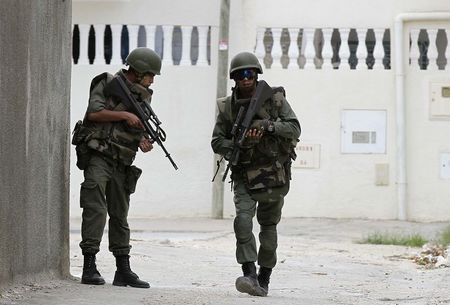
83, 155
122, 153
132, 175
80, 134
269, 147
263, 177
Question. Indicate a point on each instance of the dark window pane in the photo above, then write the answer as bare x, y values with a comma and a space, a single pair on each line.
177, 45
159, 41
108, 44
194, 46
76, 44
124, 50
387, 49
91, 45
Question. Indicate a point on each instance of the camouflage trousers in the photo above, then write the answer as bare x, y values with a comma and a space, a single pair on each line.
267, 207
106, 191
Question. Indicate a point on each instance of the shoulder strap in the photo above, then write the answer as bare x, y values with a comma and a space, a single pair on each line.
107, 76
95, 81
224, 105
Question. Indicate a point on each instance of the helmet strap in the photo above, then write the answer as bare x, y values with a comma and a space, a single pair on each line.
138, 76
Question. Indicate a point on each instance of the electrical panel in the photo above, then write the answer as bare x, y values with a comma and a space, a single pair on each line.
440, 100
363, 131
445, 166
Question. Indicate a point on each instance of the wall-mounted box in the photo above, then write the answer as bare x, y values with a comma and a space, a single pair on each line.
382, 174
445, 166
440, 100
363, 131
308, 156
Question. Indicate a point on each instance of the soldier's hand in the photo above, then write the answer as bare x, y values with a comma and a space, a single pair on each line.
252, 137
133, 121
263, 125
145, 145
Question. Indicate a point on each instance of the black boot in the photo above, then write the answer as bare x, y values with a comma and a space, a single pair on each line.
264, 278
249, 283
91, 275
124, 276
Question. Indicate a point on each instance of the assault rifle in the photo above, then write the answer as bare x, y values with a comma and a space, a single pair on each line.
145, 114
243, 122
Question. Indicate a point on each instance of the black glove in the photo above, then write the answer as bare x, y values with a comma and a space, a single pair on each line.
265, 125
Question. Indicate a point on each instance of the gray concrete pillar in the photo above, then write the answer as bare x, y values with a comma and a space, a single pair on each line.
35, 61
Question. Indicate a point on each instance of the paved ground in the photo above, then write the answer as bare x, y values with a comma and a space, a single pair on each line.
191, 262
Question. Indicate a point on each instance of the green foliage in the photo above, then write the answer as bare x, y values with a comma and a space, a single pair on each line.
412, 240
445, 237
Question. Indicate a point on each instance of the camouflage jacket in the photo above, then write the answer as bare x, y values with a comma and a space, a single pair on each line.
116, 140
278, 145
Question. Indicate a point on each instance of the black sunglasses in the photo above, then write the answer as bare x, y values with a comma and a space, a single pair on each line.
244, 74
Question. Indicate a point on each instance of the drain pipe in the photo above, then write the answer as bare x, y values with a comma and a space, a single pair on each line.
400, 99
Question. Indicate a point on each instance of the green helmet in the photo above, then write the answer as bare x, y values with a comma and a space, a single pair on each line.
244, 60
144, 60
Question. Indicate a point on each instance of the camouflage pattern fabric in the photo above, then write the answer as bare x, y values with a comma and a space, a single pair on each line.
269, 176
114, 139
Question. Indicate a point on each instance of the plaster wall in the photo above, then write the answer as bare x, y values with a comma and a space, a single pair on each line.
426, 139
185, 105
344, 184
176, 12
247, 15
35, 56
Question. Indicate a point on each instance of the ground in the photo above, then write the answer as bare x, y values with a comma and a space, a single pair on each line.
191, 262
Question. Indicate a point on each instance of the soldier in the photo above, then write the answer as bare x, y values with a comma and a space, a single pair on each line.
107, 143
261, 177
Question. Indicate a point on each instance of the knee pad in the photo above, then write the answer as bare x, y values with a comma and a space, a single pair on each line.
243, 227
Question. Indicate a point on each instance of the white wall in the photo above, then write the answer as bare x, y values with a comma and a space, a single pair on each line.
247, 15
176, 12
428, 194
184, 106
344, 184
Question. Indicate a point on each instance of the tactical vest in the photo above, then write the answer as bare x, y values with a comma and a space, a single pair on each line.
115, 140
270, 153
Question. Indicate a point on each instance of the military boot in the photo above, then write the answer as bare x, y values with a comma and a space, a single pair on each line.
264, 279
124, 276
249, 283
91, 275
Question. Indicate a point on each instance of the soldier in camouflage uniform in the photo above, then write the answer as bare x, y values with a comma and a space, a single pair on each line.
106, 144
261, 178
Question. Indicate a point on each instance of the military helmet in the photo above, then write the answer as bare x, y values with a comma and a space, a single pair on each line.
144, 60
244, 60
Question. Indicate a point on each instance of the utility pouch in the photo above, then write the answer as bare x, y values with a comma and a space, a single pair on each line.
266, 176
80, 135
83, 155
133, 174
77, 136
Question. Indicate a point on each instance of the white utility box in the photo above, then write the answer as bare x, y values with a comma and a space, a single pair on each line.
445, 166
363, 131
440, 100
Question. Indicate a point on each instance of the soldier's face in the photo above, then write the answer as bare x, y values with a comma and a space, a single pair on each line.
147, 80
245, 79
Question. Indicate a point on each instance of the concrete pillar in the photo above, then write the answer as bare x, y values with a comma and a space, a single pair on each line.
35, 50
